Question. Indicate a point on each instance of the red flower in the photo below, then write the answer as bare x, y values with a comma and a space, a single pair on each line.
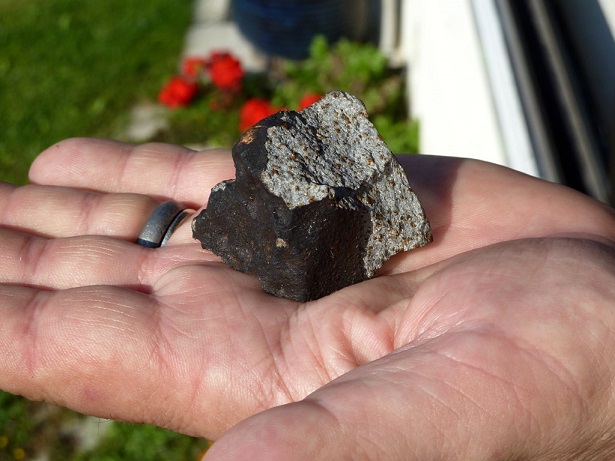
225, 71
193, 66
178, 92
253, 111
308, 100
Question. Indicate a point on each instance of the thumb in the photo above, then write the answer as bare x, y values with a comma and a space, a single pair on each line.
464, 395
414, 404
298, 431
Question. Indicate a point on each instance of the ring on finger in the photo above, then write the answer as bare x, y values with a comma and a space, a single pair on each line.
163, 221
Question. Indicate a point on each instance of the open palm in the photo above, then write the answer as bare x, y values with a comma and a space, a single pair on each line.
489, 343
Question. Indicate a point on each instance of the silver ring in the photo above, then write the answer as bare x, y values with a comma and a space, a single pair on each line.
161, 224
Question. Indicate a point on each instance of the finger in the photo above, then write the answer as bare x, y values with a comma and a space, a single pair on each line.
52, 211
161, 170
36, 332
100, 350
89, 260
55, 211
471, 204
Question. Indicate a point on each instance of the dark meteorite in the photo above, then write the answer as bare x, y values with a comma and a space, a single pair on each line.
318, 203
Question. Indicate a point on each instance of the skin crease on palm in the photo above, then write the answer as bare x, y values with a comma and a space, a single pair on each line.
493, 342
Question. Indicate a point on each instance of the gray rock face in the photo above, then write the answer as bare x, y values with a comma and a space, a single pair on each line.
318, 203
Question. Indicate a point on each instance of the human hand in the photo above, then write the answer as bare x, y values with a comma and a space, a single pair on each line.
492, 342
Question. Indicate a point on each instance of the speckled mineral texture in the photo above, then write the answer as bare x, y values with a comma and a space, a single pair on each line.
318, 203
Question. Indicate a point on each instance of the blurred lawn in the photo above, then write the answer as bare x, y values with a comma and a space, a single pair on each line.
76, 67
32, 430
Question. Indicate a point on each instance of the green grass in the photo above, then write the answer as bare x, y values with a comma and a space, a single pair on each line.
30, 429
76, 67
144, 443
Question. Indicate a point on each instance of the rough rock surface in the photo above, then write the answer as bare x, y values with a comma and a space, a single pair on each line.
318, 203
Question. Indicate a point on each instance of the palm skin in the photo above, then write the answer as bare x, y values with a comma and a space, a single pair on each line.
493, 342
